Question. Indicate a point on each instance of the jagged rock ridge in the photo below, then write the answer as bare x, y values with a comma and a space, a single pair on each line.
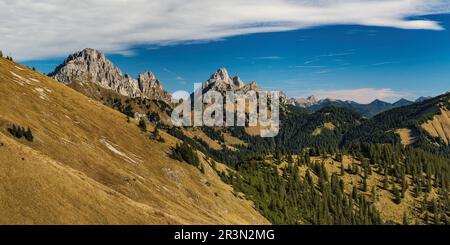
89, 65
221, 82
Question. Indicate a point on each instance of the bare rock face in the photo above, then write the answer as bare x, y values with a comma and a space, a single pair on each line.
151, 87
307, 102
220, 81
251, 86
89, 65
238, 82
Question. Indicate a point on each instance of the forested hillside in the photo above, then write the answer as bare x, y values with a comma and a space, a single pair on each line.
319, 171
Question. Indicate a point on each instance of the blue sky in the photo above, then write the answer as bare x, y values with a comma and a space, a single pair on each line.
346, 49
343, 61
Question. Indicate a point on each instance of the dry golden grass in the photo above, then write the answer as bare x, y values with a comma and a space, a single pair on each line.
389, 210
439, 126
38, 190
232, 141
328, 125
406, 136
101, 94
88, 165
253, 130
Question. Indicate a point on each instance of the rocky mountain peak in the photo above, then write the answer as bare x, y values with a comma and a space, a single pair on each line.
148, 80
306, 102
312, 99
90, 65
221, 74
252, 86
220, 81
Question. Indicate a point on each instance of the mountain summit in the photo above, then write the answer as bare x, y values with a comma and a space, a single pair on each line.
306, 102
89, 65
220, 81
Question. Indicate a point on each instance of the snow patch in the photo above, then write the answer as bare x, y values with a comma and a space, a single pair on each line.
22, 79
118, 152
67, 141
42, 93
19, 68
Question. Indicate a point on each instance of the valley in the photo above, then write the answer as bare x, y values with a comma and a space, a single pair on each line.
101, 149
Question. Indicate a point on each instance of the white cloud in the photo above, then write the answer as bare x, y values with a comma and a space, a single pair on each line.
48, 28
268, 58
385, 63
362, 95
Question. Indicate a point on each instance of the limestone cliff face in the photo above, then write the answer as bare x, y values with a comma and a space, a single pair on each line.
220, 81
89, 65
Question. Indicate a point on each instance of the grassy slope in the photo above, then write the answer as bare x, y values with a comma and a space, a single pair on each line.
439, 126
88, 165
384, 203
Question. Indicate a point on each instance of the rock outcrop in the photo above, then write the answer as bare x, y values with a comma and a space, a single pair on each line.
89, 65
306, 102
220, 81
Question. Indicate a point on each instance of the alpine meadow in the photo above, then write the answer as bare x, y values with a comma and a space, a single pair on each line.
289, 113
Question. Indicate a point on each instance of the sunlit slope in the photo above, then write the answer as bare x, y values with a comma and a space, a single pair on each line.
439, 125
105, 169
36, 189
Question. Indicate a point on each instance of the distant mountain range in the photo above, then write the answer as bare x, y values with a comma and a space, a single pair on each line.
368, 110
89, 65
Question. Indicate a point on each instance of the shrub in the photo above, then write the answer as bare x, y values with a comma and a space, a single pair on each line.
142, 125
19, 132
29, 135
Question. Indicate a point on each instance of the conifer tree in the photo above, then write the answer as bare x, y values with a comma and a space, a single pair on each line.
374, 193
142, 125
385, 181
29, 135
364, 184
397, 195
405, 218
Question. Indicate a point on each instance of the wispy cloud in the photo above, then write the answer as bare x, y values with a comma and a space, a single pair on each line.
329, 55
385, 63
336, 54
268, 58
310, 66
177, 77
361, 95
116, 25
